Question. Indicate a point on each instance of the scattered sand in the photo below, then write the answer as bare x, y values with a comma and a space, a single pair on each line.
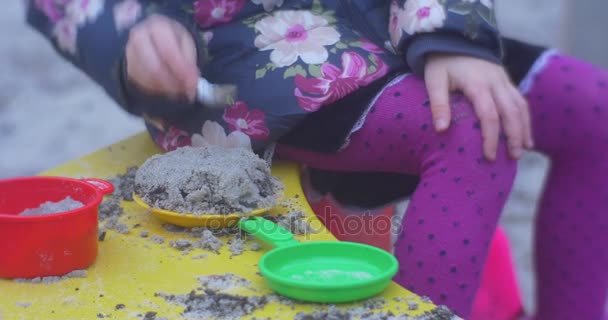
109, 208
53, 279
151, 315
371, 312
158, 239
110, 212
23, 304
209, 241
181, 244
295, 222
412, 306
210, 304
51, 207
113, 224
214, 300
237, 240
220, 282
200, 238
124, 184
211, 301
209, 180
237, 246
365, 311
177, 229
332, 313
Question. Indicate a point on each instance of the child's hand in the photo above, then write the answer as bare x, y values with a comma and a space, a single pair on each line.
496, 101
161, 58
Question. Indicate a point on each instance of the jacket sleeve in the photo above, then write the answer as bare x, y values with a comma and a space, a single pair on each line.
92, 35
420, 27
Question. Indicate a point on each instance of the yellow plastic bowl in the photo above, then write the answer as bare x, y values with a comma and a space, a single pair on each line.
188, 220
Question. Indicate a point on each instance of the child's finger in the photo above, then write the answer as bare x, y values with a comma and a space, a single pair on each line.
158, 72
437, 84
168, 48
488, 117
188, 50
145, 67
525, 111
512, 120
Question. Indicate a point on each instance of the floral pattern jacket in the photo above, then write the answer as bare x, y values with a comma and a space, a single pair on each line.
306, 69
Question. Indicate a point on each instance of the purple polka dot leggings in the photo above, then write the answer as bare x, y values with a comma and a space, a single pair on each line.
454, 211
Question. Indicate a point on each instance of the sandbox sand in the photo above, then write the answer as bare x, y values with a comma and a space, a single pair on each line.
50, 207
209, 180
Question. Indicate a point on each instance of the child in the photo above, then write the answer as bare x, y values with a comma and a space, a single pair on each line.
342, 86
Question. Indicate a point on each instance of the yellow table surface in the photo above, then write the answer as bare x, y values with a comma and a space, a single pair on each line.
129, 269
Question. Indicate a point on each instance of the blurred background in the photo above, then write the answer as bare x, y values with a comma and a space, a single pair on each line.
51, 113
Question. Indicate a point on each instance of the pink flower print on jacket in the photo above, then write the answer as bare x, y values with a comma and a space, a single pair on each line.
172, 139
126, 14
371, 47
66, 31
53, 9
335, 83
68, 16
213, 134
417, 16
250, 122
209, 13
295, 34
84, 11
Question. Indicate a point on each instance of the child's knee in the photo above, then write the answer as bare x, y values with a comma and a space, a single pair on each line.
593, 131
464, 135
462, 144
569, 106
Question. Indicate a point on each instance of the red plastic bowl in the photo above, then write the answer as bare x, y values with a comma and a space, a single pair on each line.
54, 244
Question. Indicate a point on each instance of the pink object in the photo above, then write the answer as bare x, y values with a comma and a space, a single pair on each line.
498, 297
372, 227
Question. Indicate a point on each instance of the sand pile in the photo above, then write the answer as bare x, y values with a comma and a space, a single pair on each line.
50, 207
205, 180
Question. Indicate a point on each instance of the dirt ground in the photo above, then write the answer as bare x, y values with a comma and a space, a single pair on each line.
50, 113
